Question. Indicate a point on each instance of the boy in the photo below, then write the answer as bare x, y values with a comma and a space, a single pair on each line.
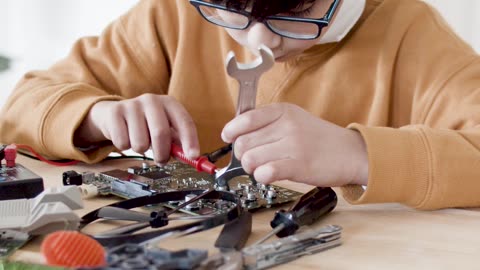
378, 93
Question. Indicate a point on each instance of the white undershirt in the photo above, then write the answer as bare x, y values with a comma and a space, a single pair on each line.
347, 16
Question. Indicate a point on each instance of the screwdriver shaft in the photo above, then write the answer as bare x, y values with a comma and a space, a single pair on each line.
270, 234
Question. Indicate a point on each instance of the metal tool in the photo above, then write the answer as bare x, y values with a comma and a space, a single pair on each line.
247, 76
230, 243
266, 255
306, 210
290, 248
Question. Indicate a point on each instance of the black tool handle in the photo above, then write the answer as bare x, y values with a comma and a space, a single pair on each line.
235, 234
306, 210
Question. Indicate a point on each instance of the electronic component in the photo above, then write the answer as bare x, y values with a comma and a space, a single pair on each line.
50, 211
10, 241
16, 181
148, 180
19, 182
160, 218
131, 256
72, 178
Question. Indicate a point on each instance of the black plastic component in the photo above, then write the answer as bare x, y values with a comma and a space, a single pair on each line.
2, 151
306, 210
234, 235
219, 153
72, 178
110, 240
19, 183
159, 219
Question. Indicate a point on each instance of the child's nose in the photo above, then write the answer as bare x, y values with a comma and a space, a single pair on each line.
259, 34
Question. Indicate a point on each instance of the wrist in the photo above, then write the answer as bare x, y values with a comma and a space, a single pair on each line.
360, 160
88, 133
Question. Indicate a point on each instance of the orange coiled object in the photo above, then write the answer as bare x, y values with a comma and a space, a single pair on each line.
72, 249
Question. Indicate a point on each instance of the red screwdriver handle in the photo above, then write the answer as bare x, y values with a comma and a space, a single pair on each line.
201, 164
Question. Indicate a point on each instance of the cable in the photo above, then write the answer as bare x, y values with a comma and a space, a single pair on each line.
128, 157
41, 158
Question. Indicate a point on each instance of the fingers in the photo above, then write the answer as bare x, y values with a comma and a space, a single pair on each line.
265, 135
151, 120
160, 136
263, 154
183, 124
277, 170
138, 131
118, 130
251, 121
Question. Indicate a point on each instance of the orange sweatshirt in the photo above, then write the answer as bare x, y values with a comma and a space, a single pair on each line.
401, 77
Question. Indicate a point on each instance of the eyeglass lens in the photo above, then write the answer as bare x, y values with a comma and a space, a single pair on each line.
293, 29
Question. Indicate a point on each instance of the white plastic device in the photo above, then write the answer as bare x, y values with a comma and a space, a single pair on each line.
50, 211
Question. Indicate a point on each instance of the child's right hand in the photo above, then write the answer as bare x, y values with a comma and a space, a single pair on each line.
139, 123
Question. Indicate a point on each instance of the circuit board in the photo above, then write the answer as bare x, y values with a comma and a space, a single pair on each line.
151, 179
11, 241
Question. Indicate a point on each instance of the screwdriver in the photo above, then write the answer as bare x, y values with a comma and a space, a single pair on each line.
306, 210
202, 164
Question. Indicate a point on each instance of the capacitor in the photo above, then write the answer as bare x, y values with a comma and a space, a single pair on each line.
271, 193
193, 205
251, 196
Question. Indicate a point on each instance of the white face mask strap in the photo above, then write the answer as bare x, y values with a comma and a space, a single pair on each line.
347, 16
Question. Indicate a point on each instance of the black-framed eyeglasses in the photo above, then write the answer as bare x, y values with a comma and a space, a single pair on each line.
285, 26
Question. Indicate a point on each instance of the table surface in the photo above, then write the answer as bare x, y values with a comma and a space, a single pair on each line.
382, 236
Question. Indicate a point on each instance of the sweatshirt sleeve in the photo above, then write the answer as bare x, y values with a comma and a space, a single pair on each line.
433, 161
129, 58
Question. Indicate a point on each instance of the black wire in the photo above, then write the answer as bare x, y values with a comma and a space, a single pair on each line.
107, 158
219, 153
129, 157
35, 158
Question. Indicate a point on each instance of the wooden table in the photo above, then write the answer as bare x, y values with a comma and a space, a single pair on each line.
384, 236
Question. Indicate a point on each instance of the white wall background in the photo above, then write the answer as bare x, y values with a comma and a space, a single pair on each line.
36, 33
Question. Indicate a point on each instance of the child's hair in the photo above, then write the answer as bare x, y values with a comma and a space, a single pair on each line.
262, 8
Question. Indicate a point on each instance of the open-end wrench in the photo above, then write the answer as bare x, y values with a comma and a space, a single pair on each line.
247, 76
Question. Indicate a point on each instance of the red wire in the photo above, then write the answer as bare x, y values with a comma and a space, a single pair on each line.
51, 162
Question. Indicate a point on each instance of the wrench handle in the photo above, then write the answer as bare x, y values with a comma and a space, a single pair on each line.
247, 95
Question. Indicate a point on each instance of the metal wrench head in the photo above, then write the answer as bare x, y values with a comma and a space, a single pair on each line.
242, 71
247, 75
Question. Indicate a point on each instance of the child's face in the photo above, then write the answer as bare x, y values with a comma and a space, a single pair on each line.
282, 47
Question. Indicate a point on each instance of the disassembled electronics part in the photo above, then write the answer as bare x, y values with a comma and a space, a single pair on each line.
176, 176
229, 209
88, 191
16, 181
50, 211
131, 256
10, 241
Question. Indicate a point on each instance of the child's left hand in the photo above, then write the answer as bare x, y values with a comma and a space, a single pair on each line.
284, 142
